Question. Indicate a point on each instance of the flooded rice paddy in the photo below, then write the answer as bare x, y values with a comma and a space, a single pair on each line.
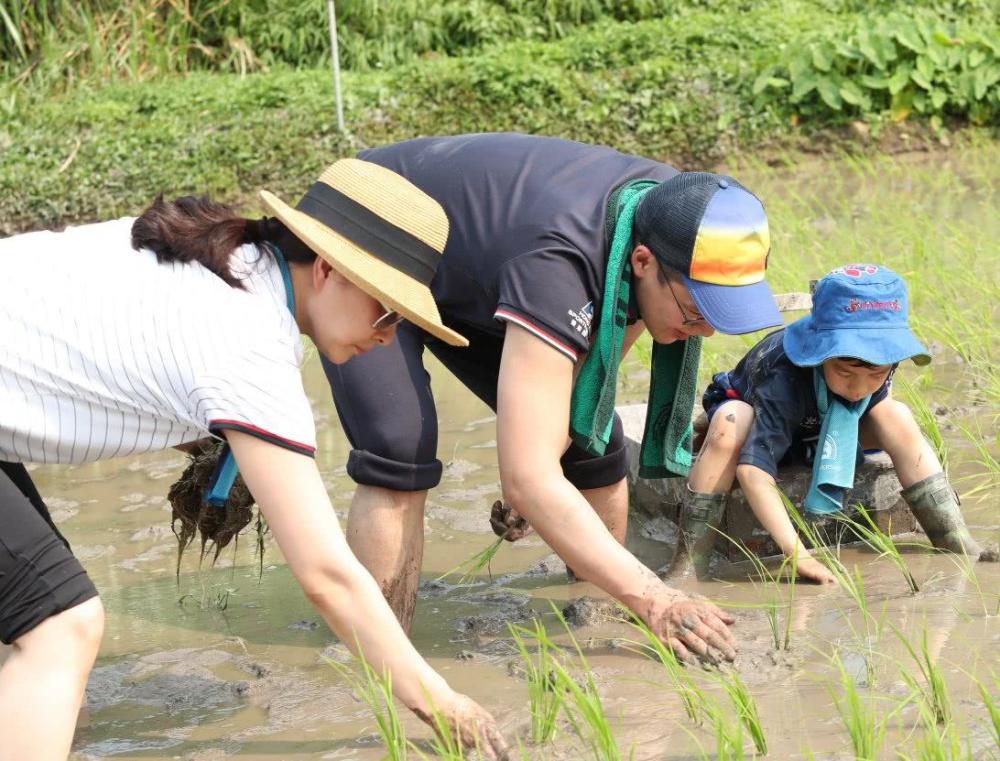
226, 664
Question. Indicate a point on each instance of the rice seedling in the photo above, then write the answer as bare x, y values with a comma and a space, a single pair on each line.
770, 585
544, 699
868, 532
375, 691
850, 582
696, 703
865, 728
446, 743
990, 475
932, 688
746, 708
582, 705
967, 567
992, 706
728, 737
475, 564
924, 416
939, 742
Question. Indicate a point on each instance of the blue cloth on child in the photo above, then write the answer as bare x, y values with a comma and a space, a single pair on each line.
836, 452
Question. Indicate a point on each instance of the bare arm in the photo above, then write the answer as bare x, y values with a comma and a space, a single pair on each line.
762, 494
289, 490
534, 392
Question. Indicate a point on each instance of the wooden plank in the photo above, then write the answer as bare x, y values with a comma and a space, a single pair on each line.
793, 302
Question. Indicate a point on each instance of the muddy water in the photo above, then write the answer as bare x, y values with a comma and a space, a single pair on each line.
226, 664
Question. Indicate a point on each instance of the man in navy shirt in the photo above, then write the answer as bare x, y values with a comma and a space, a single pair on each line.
523, 277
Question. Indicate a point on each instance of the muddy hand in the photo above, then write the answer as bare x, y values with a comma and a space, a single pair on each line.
474, 726
506, 522
696, 630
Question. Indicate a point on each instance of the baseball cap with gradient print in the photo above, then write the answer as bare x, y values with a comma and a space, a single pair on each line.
714, 232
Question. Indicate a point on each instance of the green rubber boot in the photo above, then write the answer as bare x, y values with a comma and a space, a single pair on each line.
935, 506
700, 517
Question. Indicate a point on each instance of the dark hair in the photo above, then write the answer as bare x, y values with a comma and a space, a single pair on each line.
860, 363
193, 229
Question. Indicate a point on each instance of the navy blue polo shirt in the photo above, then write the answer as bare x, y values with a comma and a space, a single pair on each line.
783, 400
527, 215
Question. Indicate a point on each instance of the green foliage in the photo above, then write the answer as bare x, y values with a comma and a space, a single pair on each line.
56, 40
677, 85
893, 65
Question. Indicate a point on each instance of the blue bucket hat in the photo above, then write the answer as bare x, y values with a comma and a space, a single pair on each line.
859, 311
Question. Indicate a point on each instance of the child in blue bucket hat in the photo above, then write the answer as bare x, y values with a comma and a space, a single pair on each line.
817, 391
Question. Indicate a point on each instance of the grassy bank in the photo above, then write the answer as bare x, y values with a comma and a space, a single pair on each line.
702, 83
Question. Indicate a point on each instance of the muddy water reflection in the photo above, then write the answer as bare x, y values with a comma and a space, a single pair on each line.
229, 665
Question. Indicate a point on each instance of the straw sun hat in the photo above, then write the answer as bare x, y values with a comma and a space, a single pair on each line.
380, 232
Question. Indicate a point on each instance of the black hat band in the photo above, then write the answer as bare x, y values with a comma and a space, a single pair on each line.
370, 232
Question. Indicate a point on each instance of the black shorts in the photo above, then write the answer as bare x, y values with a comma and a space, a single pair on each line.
386, 406
39, 577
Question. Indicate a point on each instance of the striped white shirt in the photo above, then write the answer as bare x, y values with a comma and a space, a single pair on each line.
104, 352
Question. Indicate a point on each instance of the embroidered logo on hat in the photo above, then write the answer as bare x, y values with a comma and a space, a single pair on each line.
855, 270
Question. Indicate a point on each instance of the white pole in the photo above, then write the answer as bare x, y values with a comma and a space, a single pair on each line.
335, 56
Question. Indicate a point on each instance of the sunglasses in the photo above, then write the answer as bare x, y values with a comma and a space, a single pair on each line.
390, 319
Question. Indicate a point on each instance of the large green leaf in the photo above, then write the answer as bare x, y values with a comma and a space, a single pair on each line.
766, 80
830, 93
874, 82
975, 57
908, 35
851, 93
900, 78
938, 98
926, 67
984, 78
871, 50
802, 86
922, 81
822, 59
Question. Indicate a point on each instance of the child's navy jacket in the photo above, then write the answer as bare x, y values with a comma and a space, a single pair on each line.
786, 419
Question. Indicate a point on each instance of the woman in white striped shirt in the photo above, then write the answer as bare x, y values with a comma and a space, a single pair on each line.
136, 335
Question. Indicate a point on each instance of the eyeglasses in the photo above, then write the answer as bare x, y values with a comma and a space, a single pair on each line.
389, 320
685, 319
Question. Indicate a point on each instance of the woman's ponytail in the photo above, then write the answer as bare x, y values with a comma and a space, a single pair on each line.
192, 229
200, 230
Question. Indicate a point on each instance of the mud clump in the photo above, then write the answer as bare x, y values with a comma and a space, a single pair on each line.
505, 607
588, 611
192, 516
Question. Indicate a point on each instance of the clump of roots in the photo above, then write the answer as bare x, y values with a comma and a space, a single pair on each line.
217, 526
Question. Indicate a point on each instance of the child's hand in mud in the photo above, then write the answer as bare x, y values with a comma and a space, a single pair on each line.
505, 522
474, 726
696, 630
811, 569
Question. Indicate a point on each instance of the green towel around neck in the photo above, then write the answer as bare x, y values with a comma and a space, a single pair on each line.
673, 383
